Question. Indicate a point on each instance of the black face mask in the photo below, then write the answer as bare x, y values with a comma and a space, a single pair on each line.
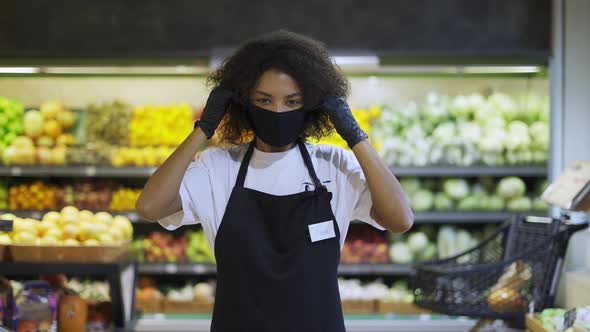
276, 129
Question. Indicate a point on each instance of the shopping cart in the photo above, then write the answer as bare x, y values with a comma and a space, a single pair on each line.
509, 273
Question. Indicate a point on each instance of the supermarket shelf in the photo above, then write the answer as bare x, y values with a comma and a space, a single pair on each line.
144, 172
77, 171
374, 269
76, 269
466, 217
176, 268
474, 171
343, 269
353, 323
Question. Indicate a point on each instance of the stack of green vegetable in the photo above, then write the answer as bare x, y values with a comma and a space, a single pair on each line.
466, 130
11, 122
483, 194
427, 243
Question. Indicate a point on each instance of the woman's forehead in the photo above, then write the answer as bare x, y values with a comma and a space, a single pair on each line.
277, 84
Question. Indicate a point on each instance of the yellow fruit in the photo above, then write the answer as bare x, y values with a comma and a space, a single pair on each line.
103, 217
69, 218
24, 225
24, 238
52, 217
5, 239
125, 225
69, 210
7, 216
117, 233
49, 241
66, 118
54, 232
50, 109
101, 228
106, 239
70, 231
87, 231
52, 128
85, 215
91, 242
71, 242
44, 226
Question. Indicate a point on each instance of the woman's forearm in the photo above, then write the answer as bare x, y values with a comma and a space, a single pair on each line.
391, 208
160, 196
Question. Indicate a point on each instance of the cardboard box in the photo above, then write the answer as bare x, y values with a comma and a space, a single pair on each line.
400, 308
571, 190
359, 306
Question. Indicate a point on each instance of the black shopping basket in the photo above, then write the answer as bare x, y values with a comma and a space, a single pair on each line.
515, 269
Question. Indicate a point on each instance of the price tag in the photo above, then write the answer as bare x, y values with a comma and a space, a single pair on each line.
36, 215
5, 225
133, 217
424, 317
171, 268
199, 268
569, 319
16, 171
90, 171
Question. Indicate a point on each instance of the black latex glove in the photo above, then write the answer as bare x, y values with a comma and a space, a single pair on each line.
217, 103
343, 120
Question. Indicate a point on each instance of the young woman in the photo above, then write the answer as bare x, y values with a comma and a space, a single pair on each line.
275, 208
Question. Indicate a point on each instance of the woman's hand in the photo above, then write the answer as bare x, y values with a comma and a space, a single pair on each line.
217, 103
343, 120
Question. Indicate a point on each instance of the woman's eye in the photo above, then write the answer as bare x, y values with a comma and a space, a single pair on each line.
294, 102
263, 100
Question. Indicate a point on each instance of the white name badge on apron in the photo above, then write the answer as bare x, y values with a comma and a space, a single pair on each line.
321, 231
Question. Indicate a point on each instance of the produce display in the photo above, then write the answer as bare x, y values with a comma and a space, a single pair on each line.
84, 195
427, 243
70, 227
11, 124
90, 290
108, 122
483, 194
45, 138
146, 156
354, 289
465, 130
34, 196
190, 298
364, 245
90, 153
164, 125
163, 247
124, 199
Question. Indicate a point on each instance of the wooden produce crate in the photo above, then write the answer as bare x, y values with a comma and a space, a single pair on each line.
3, 253
152, 306
400, 308
187, 307
359, 306
24, 253
68, 254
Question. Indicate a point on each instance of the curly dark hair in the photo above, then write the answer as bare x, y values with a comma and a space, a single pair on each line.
303, 58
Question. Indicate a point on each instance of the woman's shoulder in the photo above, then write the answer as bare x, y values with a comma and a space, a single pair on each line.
338, 157
327, 150
217, 156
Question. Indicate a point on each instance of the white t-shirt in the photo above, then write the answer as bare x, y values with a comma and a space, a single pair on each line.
208, 183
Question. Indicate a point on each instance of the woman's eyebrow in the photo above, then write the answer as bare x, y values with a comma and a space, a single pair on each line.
296, 94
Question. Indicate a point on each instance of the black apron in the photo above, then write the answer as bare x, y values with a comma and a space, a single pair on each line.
270, 275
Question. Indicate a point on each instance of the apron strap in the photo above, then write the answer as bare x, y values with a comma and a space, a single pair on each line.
244, 165
306, 159
309, 165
